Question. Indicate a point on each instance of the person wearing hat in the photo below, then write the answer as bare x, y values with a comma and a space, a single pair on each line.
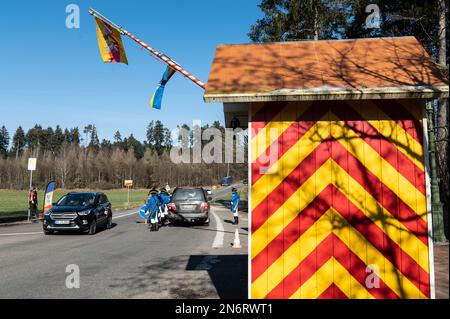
164, 198
153, 209
234, 207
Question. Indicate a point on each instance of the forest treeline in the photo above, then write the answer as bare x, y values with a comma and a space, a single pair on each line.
78, 159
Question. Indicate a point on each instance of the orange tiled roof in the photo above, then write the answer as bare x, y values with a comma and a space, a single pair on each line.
275, 71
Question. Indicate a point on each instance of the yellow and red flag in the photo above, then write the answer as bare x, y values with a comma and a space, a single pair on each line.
110, 43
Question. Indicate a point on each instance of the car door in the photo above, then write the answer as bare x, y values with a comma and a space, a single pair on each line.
107, 204
100, 209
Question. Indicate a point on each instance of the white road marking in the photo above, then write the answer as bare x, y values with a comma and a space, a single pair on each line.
218, 240
15, 234
124, 215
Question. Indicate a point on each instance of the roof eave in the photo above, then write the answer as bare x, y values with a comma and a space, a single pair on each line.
339, 94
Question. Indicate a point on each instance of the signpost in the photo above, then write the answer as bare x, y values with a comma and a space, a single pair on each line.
128, 183
31, 168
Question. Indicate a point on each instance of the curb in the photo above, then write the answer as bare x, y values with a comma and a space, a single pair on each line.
16, 223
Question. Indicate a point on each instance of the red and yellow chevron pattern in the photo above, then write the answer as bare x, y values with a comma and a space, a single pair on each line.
342, 200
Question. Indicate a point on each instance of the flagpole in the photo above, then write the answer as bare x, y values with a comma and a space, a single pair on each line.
159, 55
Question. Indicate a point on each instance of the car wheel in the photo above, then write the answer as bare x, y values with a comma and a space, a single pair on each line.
206, 222
109, 222
93, 227
48, 232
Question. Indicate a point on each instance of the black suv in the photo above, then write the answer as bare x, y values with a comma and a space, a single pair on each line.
189, 205
79, 212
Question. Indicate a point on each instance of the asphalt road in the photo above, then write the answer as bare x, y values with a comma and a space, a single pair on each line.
223, 191
127, 261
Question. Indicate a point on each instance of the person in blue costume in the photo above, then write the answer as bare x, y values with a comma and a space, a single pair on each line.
234, 207
153, 204
164, 198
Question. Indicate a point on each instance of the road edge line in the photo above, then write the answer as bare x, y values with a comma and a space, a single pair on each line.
219, 238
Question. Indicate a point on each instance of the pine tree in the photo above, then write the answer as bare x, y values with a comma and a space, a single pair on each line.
159, 137
18, 141
87, 131
105, 145
286, 20
94, 142
33, 138
75, 136
66, 135
117, 137
167, 139
46, 139
150, 135
4, 141
136, 146
57, 140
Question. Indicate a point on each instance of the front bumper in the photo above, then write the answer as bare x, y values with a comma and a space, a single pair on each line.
62, 227
76, 224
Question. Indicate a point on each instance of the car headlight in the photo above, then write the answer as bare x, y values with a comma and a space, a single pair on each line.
84, 213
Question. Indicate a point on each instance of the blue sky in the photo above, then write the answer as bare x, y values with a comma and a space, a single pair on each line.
53, 75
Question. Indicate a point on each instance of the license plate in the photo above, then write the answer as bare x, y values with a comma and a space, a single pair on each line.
62, 222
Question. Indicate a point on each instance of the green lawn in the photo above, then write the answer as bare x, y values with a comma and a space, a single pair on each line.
243, 194
225, 200
15, 203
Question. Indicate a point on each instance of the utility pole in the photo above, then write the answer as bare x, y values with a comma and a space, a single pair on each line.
436, 205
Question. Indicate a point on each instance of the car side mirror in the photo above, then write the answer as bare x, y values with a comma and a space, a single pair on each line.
209, 198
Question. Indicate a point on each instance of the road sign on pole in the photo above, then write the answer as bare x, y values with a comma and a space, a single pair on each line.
31, 167
128, 183
32, 164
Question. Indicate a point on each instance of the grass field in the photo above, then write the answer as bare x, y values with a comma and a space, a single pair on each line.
243, 194
225, 200
15, 203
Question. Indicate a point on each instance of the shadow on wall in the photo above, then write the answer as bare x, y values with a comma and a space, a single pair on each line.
354, 144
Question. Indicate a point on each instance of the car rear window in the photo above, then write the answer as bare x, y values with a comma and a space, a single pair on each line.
189, 195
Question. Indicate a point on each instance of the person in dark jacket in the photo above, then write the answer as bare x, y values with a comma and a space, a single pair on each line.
33, 202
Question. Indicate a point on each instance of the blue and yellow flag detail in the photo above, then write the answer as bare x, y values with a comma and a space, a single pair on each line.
110, 43
156, 100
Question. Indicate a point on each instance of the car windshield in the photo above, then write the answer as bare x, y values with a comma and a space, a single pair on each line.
189, 195
76, 200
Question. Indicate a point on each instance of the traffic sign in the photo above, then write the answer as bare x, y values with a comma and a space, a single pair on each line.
128, 183
32, 164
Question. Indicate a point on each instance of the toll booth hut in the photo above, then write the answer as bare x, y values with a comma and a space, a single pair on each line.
340, 196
